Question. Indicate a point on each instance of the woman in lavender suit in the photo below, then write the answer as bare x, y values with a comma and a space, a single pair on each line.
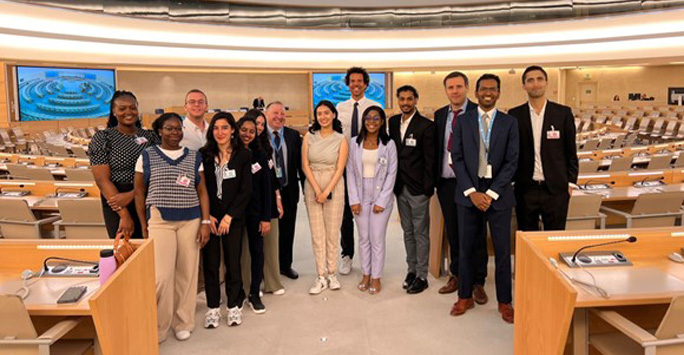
371, 172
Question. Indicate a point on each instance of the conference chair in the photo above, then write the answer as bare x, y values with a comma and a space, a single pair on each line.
659, 209
17, 221
18, 336
17, 137
679, 162
670, 129
630, 338
79, 175
6, 141
43, 174
659, 162
590, 144
630, 123
81, 219
59, 150
584, 212
605, 143
621, 164
616, 120
629, 140
658, 126
601, 119
617, 143
79, 152
588, 167
644, 126
18, 171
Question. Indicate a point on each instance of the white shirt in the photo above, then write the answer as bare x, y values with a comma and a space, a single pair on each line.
369, 158
193, 136
404, 123
537, 121
172, 154
490, 114
283, 146
345, 110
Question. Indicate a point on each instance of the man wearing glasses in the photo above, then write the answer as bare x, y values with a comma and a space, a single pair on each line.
194, 125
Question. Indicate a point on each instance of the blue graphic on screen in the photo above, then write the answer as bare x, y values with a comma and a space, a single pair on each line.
331, 87
53, 94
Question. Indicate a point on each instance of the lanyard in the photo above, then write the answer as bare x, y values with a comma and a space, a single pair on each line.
489, 131
277, 147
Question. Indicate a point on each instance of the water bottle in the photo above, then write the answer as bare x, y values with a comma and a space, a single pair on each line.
107, 265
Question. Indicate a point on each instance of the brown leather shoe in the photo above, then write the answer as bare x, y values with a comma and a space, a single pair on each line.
506, 310
462, 306
451, 286
479, 294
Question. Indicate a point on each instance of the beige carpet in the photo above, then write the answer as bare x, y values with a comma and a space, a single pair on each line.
351, 322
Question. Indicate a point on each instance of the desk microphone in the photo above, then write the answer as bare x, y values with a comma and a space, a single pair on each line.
631, 239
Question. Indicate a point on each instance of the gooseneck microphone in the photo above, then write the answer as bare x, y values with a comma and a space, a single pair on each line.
631, 239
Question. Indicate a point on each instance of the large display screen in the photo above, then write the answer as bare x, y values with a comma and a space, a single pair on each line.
52, 94
331, 87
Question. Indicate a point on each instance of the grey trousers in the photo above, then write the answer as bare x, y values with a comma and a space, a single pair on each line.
415, 221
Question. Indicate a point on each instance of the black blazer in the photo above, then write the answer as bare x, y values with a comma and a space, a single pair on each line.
559, 156
236, 192
416, 164
258, 103
503, 156
262, 192
295, 174
440, 125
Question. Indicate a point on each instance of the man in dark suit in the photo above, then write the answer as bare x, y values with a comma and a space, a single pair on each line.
414, 136
456, 88
485, 154
548, 164
287, 155
258, 103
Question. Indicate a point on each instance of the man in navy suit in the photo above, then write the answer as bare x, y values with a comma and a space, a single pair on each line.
484, 152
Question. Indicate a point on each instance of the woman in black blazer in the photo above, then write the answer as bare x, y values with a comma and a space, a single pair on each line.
227, 166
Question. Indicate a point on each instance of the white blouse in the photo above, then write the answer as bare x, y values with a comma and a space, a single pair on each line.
368, 160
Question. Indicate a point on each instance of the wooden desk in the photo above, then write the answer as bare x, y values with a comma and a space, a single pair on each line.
626, 178
628, 193
548, 304
122, 314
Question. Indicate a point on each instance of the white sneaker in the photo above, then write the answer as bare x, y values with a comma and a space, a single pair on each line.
279, 292
333, 283
183, 335
319, 285
212, 318
345, 265
234, 316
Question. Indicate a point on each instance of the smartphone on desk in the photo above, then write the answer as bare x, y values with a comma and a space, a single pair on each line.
72, 294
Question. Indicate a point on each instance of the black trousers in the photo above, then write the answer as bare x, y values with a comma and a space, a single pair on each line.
256, 253
111, 218
347, 228
446, 192
231, 246
286, 231
536, 201
473, 228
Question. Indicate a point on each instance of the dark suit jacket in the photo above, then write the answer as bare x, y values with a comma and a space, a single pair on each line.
295, 174
260, 205
258, 103
235, 192
559, 156
416, 164
440, 125
503, 156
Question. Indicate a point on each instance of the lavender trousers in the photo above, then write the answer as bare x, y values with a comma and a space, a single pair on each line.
372, 231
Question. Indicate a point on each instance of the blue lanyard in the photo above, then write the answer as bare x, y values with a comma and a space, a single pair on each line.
277, 147
489, 131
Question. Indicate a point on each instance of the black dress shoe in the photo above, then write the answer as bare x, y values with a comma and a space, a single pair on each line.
418, 286
410, 277
290, 273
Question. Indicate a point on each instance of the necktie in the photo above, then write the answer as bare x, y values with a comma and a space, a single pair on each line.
482, 166
355, 121
280, 159
453, 126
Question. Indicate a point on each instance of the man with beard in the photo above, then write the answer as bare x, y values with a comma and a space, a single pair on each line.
194, 125
413, 135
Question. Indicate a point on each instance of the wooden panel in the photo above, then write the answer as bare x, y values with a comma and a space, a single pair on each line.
544, 303
437, 237
124, 310
44, 188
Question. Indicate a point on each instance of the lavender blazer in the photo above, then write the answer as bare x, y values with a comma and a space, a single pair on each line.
385, 173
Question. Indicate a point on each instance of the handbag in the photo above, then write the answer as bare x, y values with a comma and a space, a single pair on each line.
123, 248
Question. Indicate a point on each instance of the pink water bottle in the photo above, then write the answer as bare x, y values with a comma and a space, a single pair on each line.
107, 265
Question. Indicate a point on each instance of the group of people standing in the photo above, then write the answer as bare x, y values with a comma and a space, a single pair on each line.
202, 190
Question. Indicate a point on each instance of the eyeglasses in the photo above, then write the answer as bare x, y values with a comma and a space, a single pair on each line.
193, 102
173, 129
372, 118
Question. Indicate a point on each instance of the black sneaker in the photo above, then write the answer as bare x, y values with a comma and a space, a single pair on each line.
256, 305
410, 277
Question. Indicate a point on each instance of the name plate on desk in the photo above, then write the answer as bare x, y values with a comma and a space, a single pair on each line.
650, 183
15, 193
590, 187
596, 259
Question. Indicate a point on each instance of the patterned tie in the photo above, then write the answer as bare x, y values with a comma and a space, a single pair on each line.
280, 159
355, 121
453, 126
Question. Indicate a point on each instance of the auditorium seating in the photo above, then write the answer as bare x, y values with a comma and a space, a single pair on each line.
658, 209
17, 221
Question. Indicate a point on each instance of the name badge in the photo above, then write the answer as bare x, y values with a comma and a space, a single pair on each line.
271, 164
279, 172
410, 141
228, 173
488, 174
140, 140
552, 134
183, 180
451, 162
255, 168
383, 161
